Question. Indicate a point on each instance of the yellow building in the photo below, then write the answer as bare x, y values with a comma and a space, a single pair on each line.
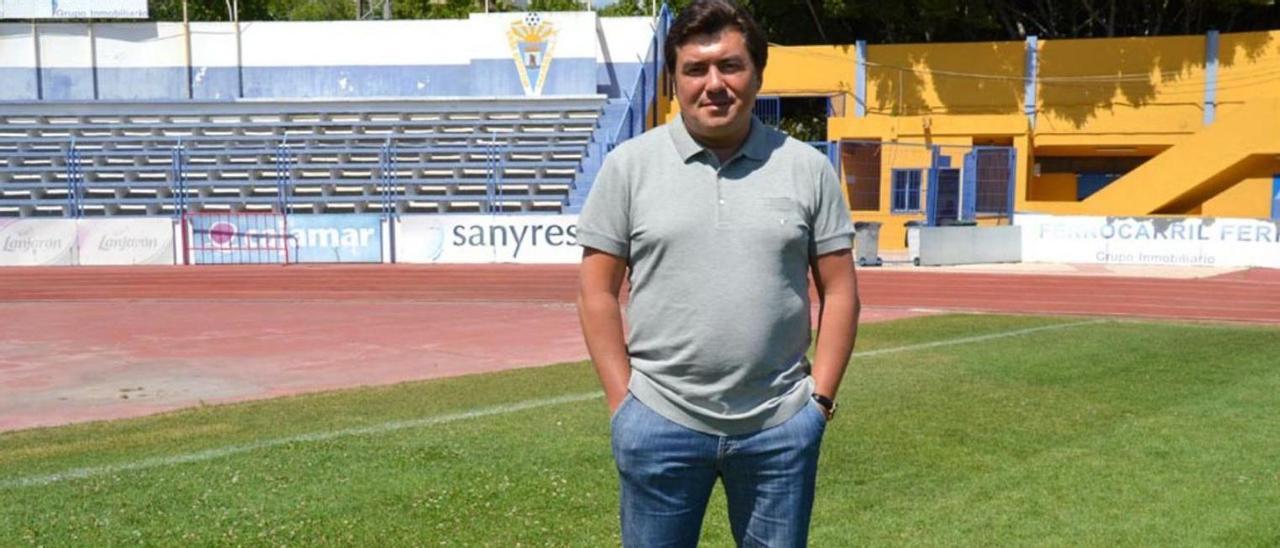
1185, 125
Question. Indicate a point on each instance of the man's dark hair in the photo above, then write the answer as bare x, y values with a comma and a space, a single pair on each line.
710, 17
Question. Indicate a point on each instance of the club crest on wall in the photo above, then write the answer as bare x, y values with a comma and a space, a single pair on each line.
532, 41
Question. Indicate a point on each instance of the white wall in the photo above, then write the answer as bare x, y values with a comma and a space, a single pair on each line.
213, 45
575, 34
139, 45
17, 49
65, 45
361, 43
627, 39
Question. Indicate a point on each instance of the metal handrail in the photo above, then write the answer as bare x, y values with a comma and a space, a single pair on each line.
638, 101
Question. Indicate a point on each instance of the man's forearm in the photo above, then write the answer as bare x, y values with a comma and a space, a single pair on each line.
837, 331
601, 317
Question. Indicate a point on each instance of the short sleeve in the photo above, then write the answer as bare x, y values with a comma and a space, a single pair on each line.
832, 229
605, 220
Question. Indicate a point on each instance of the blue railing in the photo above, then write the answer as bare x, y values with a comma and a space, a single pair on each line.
178, 177
494, 166
641, 107
284, 170
387, 180
75, 182
769, 110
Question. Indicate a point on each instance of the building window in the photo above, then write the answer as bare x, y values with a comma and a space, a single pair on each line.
993, 180
861, 166
906, 190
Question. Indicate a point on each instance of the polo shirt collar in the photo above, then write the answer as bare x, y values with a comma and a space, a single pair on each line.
755, 147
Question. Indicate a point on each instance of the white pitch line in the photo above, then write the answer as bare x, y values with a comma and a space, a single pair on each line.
219, 452
973, 339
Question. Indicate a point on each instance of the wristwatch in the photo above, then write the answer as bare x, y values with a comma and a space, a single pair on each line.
828, 405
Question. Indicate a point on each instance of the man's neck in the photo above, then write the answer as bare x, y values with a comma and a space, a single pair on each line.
726, 146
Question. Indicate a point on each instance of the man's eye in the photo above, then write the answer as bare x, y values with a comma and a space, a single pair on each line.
731, 67
695, 71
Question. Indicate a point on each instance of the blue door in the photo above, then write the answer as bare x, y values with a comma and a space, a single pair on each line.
1089, 183
948, 198
970, 187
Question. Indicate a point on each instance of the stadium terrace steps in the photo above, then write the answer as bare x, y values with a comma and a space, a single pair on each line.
444, 155
513, 201
613, 117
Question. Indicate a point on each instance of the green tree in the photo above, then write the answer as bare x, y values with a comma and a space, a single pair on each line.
838, 21
311, 10
557, 5
207, 10
624, 8
844, 21
425, 9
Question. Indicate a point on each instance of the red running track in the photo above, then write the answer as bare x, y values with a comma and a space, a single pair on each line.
96, 343
1246, 296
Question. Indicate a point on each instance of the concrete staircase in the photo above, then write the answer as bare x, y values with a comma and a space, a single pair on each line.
1241, 140
607, 125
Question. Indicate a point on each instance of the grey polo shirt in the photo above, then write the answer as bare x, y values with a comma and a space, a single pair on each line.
718, 258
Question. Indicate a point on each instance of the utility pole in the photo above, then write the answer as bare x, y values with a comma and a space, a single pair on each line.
234, 6
365, 9
186, 49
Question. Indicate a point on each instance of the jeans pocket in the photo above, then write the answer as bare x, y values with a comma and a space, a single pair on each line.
621, 406
819, 411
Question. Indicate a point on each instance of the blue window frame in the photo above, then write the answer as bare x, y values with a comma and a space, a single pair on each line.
906, 190
1275, 197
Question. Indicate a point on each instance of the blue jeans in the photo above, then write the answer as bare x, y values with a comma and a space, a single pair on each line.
667, 472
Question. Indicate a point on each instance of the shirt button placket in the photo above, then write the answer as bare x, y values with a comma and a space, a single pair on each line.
722, 217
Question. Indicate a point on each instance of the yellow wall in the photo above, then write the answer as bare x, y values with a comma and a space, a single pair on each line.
1161, 90
1141, 95
809, 70
1054, 187
1249, 62
1250, 198
915, 79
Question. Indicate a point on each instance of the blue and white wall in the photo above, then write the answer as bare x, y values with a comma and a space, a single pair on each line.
147, 61
372, 59
134, 62
17, 62
622, 45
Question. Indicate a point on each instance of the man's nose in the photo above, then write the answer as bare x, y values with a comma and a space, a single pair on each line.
715, 80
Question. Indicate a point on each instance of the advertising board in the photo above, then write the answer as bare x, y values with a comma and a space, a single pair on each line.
145, 241
37, 242
530, 239
73, 9
1168, 241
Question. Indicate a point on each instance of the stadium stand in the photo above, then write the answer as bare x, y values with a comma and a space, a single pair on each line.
311, 149
438, 155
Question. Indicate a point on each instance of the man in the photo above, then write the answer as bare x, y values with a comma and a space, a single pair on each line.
719, 220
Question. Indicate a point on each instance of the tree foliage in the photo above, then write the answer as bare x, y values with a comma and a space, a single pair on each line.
837, 21
908, 21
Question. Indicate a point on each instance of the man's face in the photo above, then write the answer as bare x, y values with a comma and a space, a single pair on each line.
716, 84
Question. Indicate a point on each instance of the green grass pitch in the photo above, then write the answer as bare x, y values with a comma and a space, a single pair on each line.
1084, 433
